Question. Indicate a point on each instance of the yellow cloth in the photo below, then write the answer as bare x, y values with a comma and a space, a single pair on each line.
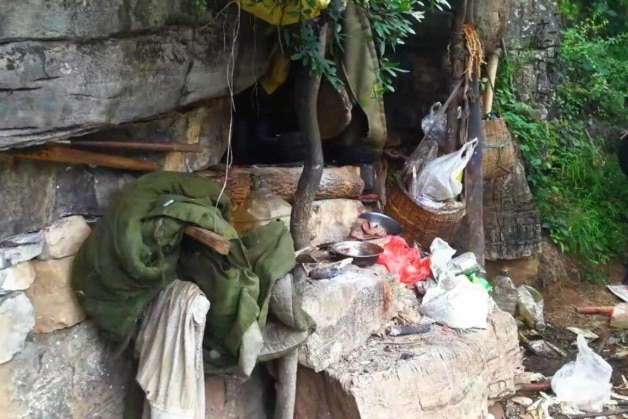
278, 14
277, 73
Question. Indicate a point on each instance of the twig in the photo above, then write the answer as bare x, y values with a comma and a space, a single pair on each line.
533, 387
600, 414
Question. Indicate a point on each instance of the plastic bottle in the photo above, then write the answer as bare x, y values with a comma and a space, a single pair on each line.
260, 207
505, 293
530, 304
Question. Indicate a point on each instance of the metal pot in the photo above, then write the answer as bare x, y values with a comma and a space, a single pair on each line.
364, 254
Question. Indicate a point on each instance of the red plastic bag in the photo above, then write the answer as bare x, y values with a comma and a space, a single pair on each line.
404, 261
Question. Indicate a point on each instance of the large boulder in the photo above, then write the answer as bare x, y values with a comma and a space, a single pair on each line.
69, 68
440, 374
65, 374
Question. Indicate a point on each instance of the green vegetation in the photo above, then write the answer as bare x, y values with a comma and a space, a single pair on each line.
573, 173
391, 22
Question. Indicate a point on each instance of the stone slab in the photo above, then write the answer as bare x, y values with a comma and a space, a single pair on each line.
20, 248
65, 374
441, 374
64, 237
52, 296
16, 278
347, 309
17, 317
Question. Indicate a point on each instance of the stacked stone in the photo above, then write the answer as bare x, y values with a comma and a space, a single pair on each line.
50, 360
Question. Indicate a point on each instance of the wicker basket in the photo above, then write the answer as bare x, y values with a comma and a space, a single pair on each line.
498, 150
420, 224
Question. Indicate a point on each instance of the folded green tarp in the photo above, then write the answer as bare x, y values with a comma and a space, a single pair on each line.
138, 248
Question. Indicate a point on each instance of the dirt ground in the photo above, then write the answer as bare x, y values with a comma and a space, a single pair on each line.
560, 303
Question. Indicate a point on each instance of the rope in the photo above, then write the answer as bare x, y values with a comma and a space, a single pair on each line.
474, 47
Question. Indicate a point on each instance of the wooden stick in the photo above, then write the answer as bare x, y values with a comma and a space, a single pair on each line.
136, 145
209, 239
608, 311
493, 61
600, 414
60, 154
540, 386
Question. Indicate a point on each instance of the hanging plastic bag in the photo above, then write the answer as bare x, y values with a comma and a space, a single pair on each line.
440, 179
434, 124
458, 303
404, 261
585, 382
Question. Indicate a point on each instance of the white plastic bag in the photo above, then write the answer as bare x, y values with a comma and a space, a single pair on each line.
440, 255
434, 124
457, 302
440, 179
585, 382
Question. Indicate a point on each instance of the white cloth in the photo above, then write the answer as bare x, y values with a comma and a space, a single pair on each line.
169, 345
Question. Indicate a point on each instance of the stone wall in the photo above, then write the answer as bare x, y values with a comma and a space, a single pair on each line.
37, 193
52, 362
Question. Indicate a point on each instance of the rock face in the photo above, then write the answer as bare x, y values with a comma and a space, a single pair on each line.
535, 26
16, 320
347, 309
79, 67
52, 191
64, 237
66, 374
436, 375
16, 278
52, 296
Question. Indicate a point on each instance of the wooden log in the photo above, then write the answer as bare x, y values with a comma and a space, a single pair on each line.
209, 239
336, 182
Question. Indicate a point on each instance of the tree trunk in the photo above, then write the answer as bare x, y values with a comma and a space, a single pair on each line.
457, 58
306, 92
472, 225
307, 86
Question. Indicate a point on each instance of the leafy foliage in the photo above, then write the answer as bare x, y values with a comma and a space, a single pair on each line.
580, 190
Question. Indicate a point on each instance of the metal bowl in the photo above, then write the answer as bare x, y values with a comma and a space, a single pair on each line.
389, 224
363, 253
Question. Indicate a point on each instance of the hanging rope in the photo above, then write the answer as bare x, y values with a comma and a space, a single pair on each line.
474, 47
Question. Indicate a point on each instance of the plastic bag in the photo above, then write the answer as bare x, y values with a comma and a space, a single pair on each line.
585, 382
530, 305
404, 261
437, 122
457, 303
440, 179
440, 256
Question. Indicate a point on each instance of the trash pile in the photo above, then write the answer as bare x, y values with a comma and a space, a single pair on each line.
453, 292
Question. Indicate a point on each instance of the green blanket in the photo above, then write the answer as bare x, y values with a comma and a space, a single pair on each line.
138, 248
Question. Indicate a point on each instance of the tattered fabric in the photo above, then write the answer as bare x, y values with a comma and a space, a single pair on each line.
138, 248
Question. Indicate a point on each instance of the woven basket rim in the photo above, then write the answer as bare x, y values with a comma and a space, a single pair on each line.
431, 210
